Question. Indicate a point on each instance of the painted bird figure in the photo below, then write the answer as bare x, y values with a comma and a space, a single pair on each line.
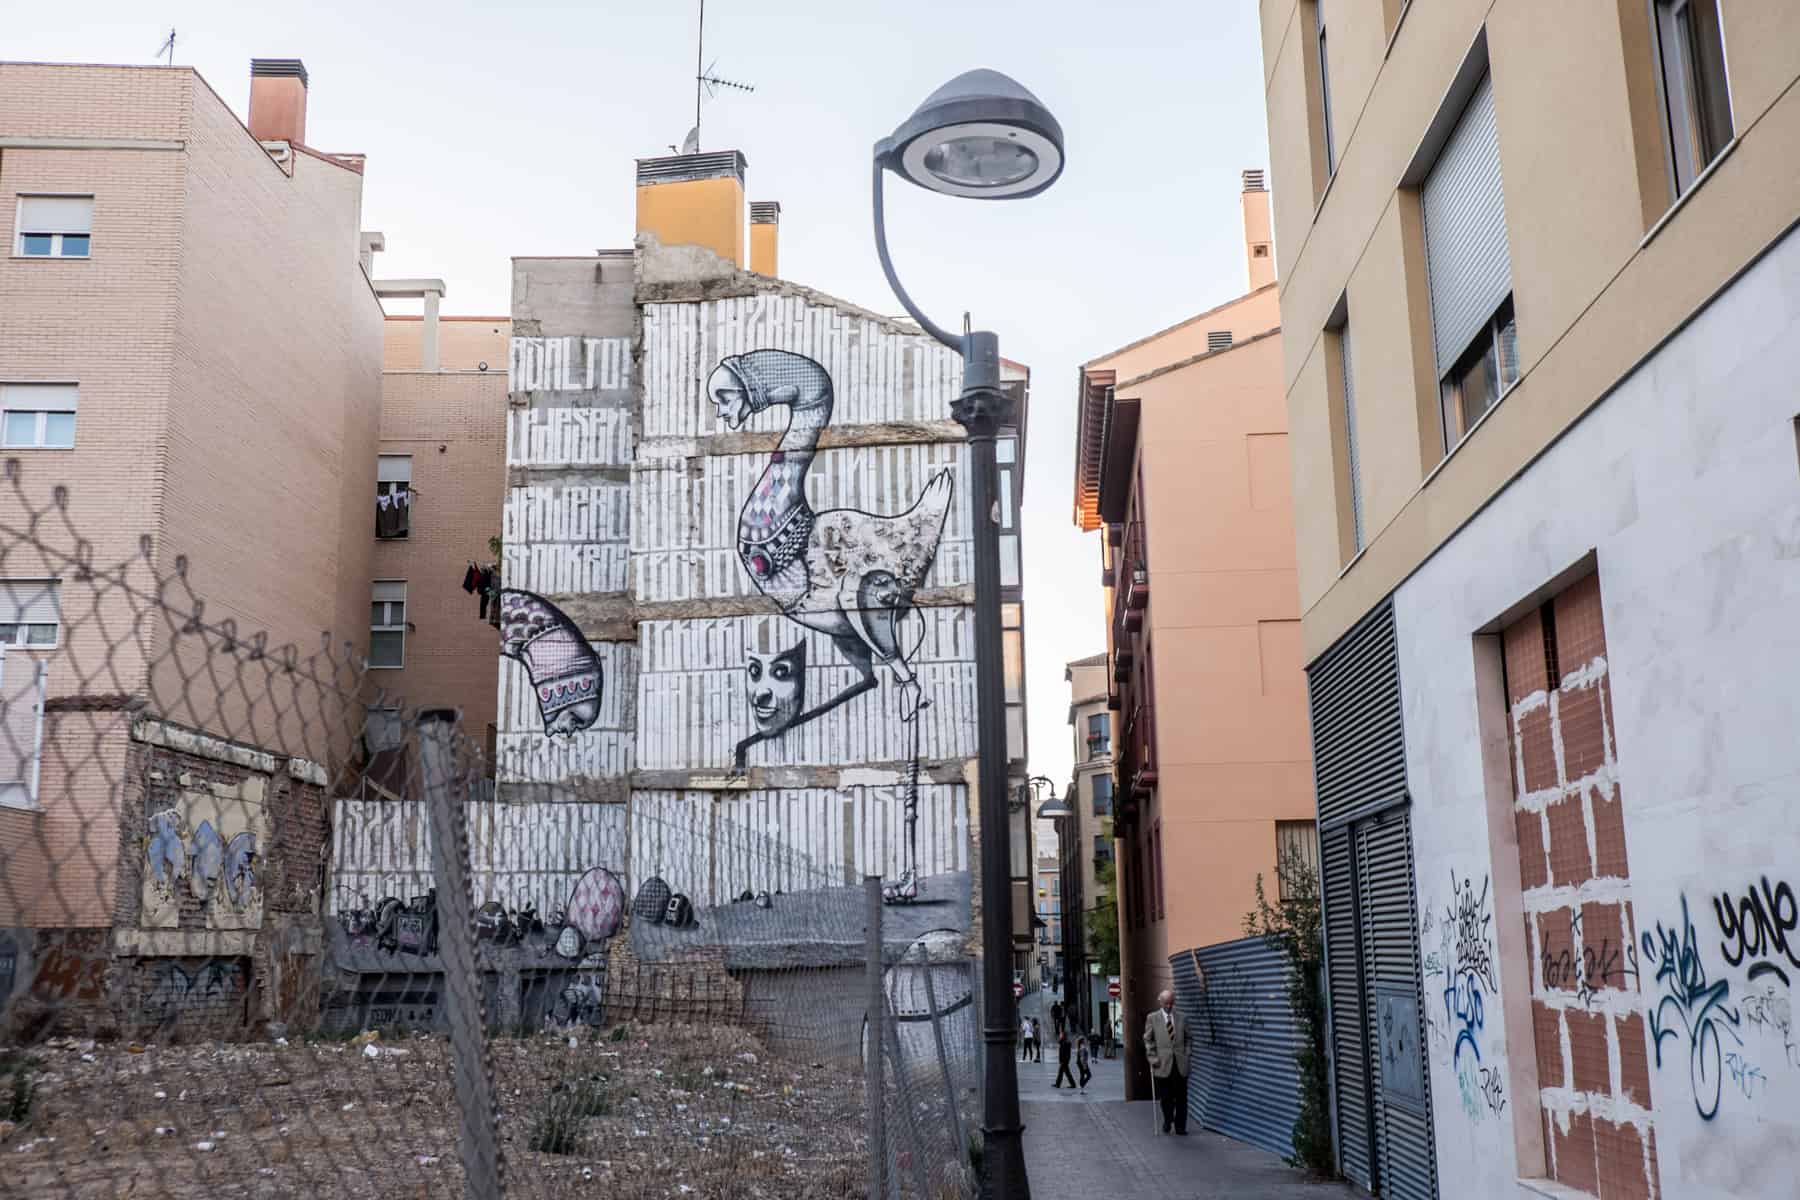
848, 574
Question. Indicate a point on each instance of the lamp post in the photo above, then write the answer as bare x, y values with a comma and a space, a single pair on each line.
985, 137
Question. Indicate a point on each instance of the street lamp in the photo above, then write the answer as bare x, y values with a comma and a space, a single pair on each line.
982, 136
1051, 809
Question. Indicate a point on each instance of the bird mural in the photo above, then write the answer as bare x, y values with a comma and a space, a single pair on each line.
848, 574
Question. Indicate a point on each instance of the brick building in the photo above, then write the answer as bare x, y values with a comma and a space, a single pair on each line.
1539, 376
192, 347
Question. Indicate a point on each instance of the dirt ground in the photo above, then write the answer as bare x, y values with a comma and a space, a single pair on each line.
652, 1111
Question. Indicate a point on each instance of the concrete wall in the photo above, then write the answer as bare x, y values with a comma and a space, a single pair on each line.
1597, 282
1679, 487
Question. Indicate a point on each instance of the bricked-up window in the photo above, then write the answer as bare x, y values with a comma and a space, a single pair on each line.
54, 226
387, 624
38, 416
1690, 50
1587, 1012
30, 613
393, 496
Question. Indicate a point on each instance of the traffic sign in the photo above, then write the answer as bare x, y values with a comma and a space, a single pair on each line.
1112, 989
1018, 990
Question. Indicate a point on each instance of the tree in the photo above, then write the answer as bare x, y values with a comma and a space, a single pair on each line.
1103, 921
1294, 925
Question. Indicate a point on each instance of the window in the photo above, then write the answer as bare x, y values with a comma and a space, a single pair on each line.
1696, 100
1056, 887
37, 416
30, 613
387, 624
393, 496
54, 226
1099, 735
1352, 462
1468, 268
1102, 849
1480, 377
23, 682
1324, 91
1296, 859
1103, 794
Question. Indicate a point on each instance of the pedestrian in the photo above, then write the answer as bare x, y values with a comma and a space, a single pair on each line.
1081, 1062
1056, 1015
1025, 1038
1063, 1049
1037, 1039
1166, 1041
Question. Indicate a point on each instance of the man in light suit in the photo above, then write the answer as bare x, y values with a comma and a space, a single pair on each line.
1166, 1041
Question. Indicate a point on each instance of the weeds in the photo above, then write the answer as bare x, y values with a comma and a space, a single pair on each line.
21, 1091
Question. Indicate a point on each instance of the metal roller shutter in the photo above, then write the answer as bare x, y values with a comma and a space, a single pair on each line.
1349, 1055
1391, 967
1359, 755
1467, 261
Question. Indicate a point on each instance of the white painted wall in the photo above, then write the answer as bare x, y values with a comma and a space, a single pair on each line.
1685, 485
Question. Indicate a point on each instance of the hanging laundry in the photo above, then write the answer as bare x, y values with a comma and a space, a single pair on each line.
471, 579
384, 516
485, 584
402, 520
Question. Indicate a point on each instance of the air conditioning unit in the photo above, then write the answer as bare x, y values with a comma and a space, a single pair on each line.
280, 149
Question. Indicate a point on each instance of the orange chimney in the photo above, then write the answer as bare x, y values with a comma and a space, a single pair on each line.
765, 226
1259, 248
694, 200
278, 100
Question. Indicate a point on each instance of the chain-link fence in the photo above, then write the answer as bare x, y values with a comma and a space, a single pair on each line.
267, 931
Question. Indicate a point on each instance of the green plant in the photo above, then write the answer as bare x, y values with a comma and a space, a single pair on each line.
1103, 920
589, 1098
21, 1092
975, 1155
1294, 925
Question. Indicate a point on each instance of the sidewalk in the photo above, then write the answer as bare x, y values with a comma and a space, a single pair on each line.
1094, 1143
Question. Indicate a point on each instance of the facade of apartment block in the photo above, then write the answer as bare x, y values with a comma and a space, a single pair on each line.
191, 350
1182, 460
1086, 847
1540, 296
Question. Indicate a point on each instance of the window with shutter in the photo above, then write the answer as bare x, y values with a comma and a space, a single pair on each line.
53, 226
38, 416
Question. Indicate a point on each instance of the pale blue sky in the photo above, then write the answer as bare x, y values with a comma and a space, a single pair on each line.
495, 130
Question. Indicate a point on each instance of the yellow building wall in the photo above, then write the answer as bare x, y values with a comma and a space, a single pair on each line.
695, 212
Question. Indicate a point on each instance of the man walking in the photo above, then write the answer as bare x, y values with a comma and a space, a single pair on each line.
1056, 1015
1081, 1062
1063, 1049
1166, 1041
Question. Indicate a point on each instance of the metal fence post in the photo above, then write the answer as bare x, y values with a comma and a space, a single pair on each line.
950, 1089
872, 1039
444, 797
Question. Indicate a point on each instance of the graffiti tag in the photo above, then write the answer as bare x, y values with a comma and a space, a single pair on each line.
1471, 978
1594, 968
1775, 1013
1745, 1075
1492, 1090
1756, 926
1690, 1005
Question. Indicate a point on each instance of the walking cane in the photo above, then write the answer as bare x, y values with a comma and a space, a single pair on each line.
1155, 1106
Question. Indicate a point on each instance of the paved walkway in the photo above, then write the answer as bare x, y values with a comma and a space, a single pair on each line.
1095, 1143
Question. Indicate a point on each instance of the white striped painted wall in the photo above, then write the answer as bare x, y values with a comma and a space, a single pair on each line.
878, 374
566, 537
692, 706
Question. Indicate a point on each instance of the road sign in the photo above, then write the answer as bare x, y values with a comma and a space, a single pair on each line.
1018, 990
1112, 989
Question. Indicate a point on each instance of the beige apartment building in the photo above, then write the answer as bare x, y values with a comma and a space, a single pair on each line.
203, 409
1540, 302
1086, 843
1182, 459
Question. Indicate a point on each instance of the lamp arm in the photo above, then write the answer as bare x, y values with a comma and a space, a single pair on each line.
887, 268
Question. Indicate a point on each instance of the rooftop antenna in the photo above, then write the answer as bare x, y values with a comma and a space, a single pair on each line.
168, 48
707, 82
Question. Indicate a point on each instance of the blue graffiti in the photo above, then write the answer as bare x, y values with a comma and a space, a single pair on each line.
1746, 1075
1697, 1007
1468, 982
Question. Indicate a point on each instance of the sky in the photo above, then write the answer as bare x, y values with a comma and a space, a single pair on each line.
496, 130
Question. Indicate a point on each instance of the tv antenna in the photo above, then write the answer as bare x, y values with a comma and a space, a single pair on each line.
707, 83
168, 48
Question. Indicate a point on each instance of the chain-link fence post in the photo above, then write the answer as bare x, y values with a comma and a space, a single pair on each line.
444, 798
873, 1045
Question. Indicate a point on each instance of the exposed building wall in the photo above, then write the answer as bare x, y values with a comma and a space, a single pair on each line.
1242, 317
1667, 1011
464, 343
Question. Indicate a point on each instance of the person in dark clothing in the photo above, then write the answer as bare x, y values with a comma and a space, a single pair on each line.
1056, 1015
1064, 1048
1081, 1061
1037, 1040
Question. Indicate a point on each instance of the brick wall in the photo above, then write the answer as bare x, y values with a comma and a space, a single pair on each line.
1587, 1017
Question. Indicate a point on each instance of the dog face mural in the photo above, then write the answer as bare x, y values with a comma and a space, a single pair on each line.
775, 685
564, 670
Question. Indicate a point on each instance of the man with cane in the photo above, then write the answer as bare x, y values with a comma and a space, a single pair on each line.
1166, 1042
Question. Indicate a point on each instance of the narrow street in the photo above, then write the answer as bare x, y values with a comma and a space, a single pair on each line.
1094, 1142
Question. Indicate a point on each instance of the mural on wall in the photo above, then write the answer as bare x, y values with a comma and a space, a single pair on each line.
212, 839
775, 686
846, 573
565, 671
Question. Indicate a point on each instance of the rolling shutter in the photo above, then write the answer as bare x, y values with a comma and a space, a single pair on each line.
1359, 756
1466, 257
1349, 1055
56, 214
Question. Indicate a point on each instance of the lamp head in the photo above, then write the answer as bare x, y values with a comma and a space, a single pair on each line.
981, 135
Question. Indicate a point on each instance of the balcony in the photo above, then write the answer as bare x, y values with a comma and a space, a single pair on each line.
1122, 663
1135, 565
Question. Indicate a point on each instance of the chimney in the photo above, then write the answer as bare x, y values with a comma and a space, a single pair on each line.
278, 100
1259, 249
765, 226
694, 200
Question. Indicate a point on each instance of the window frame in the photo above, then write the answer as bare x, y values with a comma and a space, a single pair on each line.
1094, 795
1098, 738
40, 409
1682, 69
56, 236
1327, 135
390, 626
54, 587
1352, 460
1485, 350
26, 793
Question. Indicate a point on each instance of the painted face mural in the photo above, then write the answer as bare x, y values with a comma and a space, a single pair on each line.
564, 670
776, 687
849, 574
